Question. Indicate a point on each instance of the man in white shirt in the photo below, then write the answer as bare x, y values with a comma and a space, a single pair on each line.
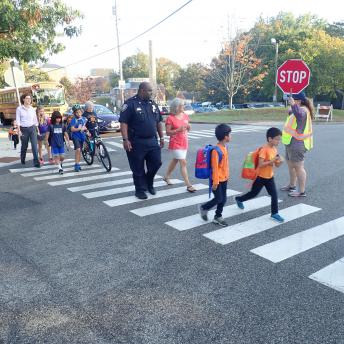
27, 123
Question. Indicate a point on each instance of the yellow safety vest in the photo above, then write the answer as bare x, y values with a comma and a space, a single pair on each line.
290, 130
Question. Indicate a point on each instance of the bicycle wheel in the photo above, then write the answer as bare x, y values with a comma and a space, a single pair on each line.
104, 156
87, 153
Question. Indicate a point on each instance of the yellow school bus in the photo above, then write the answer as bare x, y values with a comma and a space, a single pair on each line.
50, 95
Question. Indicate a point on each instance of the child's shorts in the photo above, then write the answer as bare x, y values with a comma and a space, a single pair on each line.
77, 143
57, 151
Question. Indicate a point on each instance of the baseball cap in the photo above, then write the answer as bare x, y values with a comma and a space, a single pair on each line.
300, 96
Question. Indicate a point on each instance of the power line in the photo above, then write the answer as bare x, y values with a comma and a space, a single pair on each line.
127, 42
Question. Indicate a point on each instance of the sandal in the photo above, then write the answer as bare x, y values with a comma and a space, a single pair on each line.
288, 188
191, 189
297, 194
167, 181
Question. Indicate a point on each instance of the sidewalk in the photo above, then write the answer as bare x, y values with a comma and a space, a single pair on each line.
9, 156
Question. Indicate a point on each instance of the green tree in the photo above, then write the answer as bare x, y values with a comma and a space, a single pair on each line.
69, 88
136, 66
193, 79
291, 33
336, 29
33, 74
167, 72
3, 67
113, 78
28, 28
325, 59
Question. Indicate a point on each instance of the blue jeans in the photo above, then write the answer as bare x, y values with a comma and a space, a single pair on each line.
220, 199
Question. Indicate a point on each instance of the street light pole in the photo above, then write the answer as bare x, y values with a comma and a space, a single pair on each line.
114, 12
274, 42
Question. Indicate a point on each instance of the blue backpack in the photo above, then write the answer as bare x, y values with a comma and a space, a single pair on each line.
203, 168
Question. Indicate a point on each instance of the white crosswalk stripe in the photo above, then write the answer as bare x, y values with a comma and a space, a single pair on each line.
94, 183
189, 222
90, 178
164, 193
332, 275
73, 174
199, 134
116, 144
67, 162
123, 189
180, 203
54, 171
103, 184
300, 242
257, 225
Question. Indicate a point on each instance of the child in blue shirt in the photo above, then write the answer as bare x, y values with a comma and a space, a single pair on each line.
56, 135
78, 129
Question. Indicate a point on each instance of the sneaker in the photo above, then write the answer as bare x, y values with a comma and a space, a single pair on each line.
203, 213
296, 194
239, 204
79, 167
60, 171
277, 217
288, 188
220, 221
76, 168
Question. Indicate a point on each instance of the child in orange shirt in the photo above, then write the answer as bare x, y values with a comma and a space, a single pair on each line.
220, 175
268, 157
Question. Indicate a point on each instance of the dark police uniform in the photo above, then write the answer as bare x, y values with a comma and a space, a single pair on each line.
142, 118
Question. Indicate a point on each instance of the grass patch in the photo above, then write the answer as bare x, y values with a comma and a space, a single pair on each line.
251, 115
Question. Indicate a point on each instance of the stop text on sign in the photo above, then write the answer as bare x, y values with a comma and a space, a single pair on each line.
294, 76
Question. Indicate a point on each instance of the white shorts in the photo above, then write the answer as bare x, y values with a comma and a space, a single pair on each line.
179, 154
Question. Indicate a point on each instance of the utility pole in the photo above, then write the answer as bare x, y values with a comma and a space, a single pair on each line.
152, 68
121, 81
274, 42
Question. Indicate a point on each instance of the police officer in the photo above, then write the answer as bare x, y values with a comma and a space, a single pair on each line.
141, 121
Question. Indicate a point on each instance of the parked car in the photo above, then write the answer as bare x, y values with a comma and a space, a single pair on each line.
189, 110
107, 120
164, 110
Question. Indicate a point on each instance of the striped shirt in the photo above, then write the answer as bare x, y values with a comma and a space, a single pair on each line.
26, 117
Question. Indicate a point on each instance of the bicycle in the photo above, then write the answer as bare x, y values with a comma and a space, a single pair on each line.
95, 147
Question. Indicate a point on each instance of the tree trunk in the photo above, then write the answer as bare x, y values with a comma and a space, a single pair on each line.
230, 101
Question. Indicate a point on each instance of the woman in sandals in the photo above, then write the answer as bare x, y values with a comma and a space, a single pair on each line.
298, 139
177, 128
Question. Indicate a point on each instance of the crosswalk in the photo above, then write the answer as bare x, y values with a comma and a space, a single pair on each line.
115, 142
115, 189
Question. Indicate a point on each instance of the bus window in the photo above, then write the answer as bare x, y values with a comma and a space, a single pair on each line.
49, 97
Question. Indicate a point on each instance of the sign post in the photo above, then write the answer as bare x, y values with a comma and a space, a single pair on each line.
293, 76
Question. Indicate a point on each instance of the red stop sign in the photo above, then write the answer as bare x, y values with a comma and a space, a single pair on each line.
293, 76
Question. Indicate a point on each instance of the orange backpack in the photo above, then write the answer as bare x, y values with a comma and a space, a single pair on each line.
250, 166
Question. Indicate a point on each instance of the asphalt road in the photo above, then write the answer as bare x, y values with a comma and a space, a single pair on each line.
75, 270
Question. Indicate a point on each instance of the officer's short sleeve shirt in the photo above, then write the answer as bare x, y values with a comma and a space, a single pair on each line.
142, 117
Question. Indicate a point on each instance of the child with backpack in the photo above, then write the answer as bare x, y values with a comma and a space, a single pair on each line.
267, 158
219, 176
56, 135
78, 129
13, 134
